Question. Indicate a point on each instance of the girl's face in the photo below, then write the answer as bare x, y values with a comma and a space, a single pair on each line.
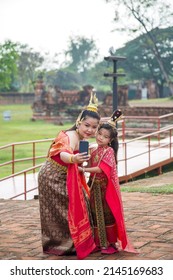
103, 137
87, 128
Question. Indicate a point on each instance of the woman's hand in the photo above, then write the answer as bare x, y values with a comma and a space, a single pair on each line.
80, 158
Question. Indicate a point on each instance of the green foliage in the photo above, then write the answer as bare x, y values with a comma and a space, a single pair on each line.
140, 16
19, 67
8, 67
80, 56
64, 79
82, 53
141, 64
28, 65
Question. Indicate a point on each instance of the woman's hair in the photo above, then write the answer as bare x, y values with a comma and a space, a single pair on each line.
83, 115
113, 136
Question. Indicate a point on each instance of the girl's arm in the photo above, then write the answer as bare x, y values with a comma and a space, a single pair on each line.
95, 169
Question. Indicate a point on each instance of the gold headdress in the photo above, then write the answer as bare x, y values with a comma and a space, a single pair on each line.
93, 103
92, 106
114, 118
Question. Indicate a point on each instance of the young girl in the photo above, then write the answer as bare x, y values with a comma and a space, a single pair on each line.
105, 197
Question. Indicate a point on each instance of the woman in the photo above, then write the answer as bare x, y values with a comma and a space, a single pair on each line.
105, 197
65, 221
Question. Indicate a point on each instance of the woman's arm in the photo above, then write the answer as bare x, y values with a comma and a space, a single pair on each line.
66, 157
71, 158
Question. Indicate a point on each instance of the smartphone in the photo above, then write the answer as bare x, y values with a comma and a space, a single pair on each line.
83, 146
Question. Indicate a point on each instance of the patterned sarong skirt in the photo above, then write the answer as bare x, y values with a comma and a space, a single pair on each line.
53, 201
105, 230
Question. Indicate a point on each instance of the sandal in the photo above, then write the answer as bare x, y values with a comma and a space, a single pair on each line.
111, 249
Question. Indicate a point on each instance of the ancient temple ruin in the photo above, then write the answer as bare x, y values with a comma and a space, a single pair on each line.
57, 105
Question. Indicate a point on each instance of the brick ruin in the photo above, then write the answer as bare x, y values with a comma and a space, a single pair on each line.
54, 103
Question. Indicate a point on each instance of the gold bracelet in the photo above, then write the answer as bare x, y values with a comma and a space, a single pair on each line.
71, 159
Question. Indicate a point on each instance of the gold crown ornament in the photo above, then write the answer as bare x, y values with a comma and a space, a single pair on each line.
116, 116
92, 106
93, 103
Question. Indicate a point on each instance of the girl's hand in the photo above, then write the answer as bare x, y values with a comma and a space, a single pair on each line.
93, 145
80, 158
80, 169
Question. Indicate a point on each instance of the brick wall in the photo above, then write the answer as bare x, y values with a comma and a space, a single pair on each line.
137, 111
7, 98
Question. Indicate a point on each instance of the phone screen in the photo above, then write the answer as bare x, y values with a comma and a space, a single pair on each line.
83, 146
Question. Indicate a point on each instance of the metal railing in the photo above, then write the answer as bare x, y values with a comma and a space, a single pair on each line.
149, 124
122, 129
15, 160
151, 151
125, 157
24, 173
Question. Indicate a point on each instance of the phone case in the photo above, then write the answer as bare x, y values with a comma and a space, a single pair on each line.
83, 146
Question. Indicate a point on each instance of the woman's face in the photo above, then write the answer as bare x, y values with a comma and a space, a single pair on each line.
87, 128
103, 137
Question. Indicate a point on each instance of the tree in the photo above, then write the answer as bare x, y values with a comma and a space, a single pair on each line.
82, 53
8, 67
142, 17
63, 78
95, 76
28, 65
142, 64
80, 56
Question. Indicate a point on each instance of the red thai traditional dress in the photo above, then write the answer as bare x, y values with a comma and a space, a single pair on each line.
106, 202
65, 222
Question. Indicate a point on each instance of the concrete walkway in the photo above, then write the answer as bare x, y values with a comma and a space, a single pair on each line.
149, 222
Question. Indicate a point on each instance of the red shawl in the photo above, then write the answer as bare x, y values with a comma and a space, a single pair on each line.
113, 195
78, 219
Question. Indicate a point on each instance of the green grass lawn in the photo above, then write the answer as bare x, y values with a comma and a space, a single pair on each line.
167, 189
167, 101
20, 128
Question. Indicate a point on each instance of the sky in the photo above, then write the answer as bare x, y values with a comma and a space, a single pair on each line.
46, 25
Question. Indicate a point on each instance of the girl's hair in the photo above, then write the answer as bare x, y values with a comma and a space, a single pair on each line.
83, 115
113, 136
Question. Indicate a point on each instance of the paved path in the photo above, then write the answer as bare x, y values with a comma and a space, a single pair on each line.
149, 222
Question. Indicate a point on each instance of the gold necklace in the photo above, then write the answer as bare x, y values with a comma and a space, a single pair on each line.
96, 158
78, 134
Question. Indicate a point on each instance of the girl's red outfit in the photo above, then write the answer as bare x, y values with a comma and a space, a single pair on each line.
106, 202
